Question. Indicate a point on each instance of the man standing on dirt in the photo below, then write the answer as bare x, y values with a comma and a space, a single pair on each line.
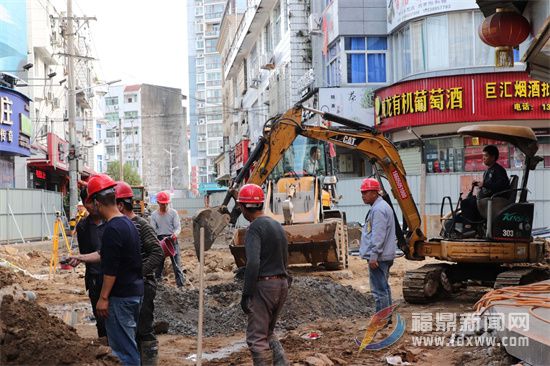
122, 289
152, 257
166, 222
88, 233
378, 242
266, 280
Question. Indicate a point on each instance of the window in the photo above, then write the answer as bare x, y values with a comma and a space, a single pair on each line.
110, 150
277, 24
333, 64
213, 11
200, 44
213, 62
130, 98
215, 130
111, 117
214, 96
199, 61
111, 101
200, 78
268, 42
210, 45
366, 60
98, 130
440, 42
214, 147
130, 115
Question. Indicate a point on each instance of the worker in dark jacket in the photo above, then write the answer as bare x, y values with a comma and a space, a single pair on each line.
266, 279
152, 256
88, 233
120, 257
495, 180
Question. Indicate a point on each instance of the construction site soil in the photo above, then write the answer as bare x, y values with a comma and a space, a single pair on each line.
309, 299
29, 335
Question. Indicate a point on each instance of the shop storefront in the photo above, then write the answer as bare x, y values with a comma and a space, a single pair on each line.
51, 172
433, 109
15, 133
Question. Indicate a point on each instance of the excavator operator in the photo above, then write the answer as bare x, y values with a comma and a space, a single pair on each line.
495, 180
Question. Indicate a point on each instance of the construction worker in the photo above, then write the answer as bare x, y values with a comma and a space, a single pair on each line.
166, 222
266, 279
81, 212
121, 264
378, 242
88, 232
312, 165
152, 257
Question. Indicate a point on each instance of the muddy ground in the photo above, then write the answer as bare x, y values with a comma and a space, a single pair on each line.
334, 305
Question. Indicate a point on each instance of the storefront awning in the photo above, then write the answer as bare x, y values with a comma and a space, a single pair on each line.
45, 164
224, 177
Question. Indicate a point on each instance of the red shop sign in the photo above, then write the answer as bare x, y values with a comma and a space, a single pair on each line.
463, 98
241, 154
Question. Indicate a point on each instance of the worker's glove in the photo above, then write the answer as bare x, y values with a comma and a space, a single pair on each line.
174, 237
244, 304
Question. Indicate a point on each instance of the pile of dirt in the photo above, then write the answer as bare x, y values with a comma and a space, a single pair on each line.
30, 336
309, 299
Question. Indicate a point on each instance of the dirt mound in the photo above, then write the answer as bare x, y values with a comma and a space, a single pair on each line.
30, 336
309, 299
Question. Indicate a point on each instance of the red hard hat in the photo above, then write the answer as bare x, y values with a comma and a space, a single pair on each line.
370, 184
251, 193
98, 183
123, 190
163, 197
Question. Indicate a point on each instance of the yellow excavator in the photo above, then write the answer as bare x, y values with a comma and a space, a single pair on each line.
505, 234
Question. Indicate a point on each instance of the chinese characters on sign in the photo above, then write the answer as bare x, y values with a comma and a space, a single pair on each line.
519, 89
5, 119
420, 101
468, 322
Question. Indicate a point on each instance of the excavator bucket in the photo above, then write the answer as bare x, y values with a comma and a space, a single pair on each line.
213, 220
323, 243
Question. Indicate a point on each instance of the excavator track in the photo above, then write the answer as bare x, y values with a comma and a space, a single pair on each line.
424, 284
520, 276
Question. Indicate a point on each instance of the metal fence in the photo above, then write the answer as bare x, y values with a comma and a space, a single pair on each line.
440, 185
28, 214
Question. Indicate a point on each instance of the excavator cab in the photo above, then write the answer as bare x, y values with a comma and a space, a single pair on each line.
504, 215
294, 197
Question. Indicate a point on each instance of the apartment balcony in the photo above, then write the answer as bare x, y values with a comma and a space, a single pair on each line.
248, 32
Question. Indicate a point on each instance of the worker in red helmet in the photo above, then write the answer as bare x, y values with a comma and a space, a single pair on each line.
378, 242
120, 258
266, 279
152, 257
166, 222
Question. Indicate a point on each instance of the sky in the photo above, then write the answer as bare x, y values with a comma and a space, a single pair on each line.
138, 41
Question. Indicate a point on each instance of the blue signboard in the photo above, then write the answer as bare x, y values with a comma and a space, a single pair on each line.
15, 124
13, 37
211, 187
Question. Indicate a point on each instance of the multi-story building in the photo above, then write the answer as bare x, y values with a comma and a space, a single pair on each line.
154, 134
205, 105
266, 50
42, 70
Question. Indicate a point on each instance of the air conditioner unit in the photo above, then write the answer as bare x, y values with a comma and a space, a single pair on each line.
115, 107
56, 102
202, 121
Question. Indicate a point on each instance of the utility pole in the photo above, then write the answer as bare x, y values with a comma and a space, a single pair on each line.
120, 156
73, 150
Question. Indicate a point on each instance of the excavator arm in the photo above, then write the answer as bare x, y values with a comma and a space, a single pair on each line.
279, 136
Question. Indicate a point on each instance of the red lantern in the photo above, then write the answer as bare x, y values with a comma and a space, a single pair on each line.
504, 30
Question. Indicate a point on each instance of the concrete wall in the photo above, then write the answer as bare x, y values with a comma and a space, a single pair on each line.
33, 214
163, 128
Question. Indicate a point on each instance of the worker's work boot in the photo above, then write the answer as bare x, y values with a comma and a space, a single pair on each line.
149, 353
279, 356
263, 358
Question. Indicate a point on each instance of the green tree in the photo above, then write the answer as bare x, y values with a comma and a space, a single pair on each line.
131, 175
